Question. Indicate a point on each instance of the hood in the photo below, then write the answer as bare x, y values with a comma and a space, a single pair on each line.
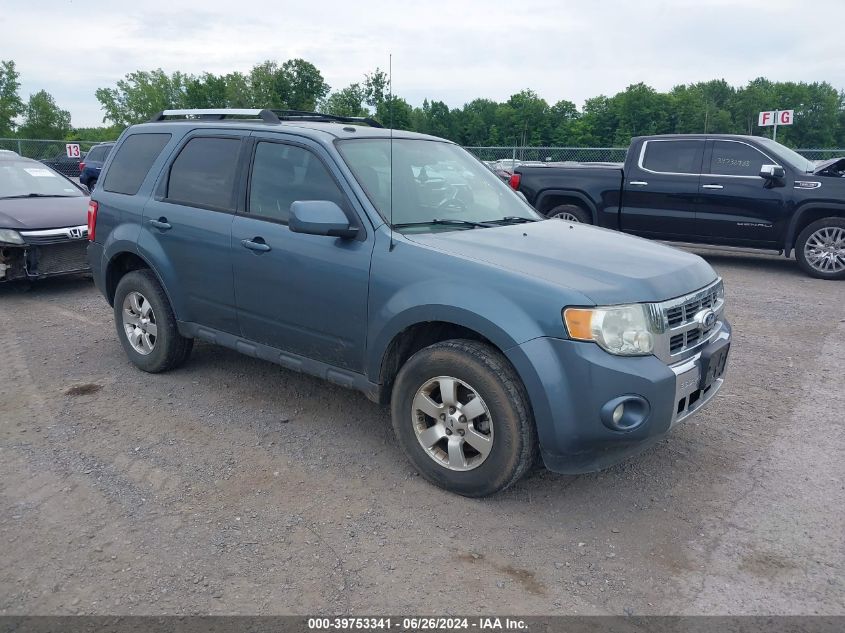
24, 214
824, 165
606, 266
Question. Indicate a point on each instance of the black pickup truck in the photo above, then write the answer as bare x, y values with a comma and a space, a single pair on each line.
743, 191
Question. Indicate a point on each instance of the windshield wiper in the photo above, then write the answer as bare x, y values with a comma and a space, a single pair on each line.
513, 219
437, 222
36, 195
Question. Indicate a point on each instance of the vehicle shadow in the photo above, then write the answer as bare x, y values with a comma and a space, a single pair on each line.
45, 287
750, 261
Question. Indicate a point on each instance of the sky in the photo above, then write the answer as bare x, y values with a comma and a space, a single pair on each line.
452, 51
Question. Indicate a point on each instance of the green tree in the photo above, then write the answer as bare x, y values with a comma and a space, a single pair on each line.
237, 91
641, 110
302, 85
43, 118
142, 94
346, 102
375, 88
205, 91
401, 114
10, 102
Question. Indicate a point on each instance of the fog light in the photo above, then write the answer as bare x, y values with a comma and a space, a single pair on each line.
618, 412
625, 413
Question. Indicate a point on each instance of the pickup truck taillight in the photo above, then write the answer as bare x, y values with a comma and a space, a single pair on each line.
514, 181
81, 167
92, 220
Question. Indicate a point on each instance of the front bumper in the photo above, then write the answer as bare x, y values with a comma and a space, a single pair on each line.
570, 382
47, 253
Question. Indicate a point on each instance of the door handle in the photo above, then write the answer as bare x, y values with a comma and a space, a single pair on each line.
638, 183
712, 187
161, 224
256, 244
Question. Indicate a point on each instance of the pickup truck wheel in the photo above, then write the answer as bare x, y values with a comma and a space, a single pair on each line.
570, 213
146, 325
820, 248
461, 415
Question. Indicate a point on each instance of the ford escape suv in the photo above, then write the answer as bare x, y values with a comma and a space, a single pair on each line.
398, 265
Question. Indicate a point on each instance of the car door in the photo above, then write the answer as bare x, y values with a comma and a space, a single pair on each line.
305, 294
737, 206
661, 189
189, 225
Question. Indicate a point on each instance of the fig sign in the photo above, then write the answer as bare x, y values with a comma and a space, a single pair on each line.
775, 118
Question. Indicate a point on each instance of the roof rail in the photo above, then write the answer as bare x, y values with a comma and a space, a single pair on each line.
219, 113
303, 115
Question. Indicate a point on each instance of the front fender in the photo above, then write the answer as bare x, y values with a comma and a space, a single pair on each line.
801, 212
412, 284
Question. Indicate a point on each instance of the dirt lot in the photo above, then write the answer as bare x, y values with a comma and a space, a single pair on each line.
234, 486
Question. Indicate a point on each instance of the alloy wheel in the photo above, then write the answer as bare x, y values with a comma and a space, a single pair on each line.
139, 323
452, 423
824, 250
564, 215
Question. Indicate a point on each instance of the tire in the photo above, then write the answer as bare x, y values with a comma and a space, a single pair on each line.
570, 213
506, 421
820, 248
139, 296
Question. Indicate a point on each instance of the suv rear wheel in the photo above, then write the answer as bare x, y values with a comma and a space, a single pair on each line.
820, 248
570, 213
461, 416
146, 325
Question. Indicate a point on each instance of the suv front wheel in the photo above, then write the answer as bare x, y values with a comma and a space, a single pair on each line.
820, 248
461, 416
146, 325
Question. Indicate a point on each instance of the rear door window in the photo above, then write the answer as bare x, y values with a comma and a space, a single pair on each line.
203, 174
673, 157
132, 162
736, 159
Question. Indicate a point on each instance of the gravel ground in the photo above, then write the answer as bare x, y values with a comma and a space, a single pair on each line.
234, 486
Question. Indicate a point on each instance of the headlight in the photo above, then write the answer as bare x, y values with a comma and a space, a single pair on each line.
8, 236
624, 330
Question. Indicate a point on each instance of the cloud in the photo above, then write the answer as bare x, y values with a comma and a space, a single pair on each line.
442, 49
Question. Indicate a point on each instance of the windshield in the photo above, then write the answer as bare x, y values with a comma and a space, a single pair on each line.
435, 184
793, 158
19, 179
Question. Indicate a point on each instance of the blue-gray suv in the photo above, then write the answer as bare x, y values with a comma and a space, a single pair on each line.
399, 265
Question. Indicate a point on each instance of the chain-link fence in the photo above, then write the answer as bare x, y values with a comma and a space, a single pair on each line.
506, 155
52, 152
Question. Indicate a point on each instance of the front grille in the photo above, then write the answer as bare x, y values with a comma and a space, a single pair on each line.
61, 258
682, 329
55, 236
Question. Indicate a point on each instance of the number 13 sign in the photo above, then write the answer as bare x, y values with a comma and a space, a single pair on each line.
72, 150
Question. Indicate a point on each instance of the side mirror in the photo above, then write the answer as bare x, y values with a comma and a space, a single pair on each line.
320, 217
772, 172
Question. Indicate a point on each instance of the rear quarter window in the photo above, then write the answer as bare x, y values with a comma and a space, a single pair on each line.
132, 161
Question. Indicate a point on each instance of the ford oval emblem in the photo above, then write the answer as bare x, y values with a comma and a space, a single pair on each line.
706, 319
